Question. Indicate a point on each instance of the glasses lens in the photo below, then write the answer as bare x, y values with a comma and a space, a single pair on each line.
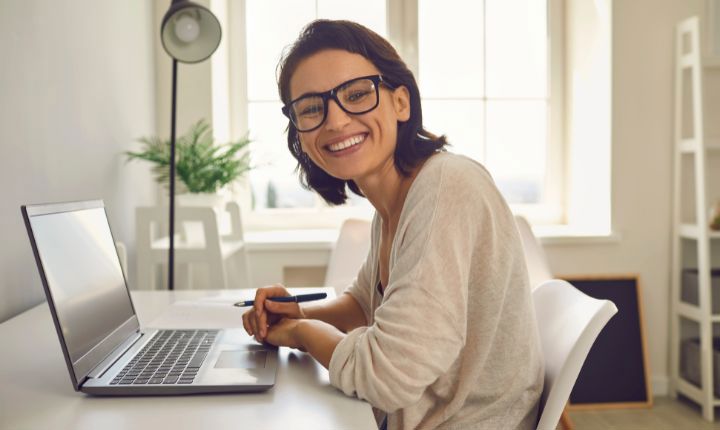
358, 96
308, 112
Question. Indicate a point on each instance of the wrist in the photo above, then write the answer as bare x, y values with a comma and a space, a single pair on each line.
300, 332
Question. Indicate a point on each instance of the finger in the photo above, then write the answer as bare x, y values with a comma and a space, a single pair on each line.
254, 324
246, 323
260, 300
291, 310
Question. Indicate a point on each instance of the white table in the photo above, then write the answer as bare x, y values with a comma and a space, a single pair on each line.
36, 392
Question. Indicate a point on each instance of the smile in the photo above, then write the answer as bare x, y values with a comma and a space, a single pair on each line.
347, 143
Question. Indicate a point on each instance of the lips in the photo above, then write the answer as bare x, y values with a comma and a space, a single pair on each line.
346, 143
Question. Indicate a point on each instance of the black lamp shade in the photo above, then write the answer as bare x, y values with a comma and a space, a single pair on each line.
190, 33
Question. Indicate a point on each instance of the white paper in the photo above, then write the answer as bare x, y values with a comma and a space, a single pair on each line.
200, 314
216, 311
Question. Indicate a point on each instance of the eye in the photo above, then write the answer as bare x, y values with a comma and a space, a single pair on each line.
309, 108
356, 95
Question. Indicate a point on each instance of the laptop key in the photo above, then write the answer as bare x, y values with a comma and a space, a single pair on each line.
170, 379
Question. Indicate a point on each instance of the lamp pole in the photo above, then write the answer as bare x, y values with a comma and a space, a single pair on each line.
190, 33
171, 247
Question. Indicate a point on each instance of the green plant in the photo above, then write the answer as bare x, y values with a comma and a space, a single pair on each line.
201, 166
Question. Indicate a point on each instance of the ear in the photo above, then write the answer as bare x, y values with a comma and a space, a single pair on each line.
401, 103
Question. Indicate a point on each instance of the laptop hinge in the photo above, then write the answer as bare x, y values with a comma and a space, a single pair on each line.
99, 370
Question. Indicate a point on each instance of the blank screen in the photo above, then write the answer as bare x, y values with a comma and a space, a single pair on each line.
84, 276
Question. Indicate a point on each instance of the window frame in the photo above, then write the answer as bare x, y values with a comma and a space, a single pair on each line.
402, 31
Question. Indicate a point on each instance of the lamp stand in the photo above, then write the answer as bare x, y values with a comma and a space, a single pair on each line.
171, 247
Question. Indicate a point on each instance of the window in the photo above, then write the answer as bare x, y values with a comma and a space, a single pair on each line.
275, 184
484, 74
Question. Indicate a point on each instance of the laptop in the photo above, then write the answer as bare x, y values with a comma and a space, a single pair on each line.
105, 349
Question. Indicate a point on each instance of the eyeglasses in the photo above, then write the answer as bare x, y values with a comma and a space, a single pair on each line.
356, 96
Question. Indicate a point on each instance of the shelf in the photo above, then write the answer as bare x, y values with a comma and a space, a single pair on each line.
690, 146
691, 231
689, 311
690, 390
693, 313
700, 148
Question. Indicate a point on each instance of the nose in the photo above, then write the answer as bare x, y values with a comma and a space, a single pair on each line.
336, 117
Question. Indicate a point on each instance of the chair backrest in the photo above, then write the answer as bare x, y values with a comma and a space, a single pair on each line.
199, 240
569, 321
350, 252
535, 258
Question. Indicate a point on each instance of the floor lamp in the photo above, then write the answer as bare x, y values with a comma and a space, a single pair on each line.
190, 33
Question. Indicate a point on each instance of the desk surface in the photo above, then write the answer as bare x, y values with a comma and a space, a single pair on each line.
36, 392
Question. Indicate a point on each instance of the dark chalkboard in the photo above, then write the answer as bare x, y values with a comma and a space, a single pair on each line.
615, 373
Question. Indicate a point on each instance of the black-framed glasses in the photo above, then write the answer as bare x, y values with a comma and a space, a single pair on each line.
356, 96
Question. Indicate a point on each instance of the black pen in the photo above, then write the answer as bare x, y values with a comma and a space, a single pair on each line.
287, 299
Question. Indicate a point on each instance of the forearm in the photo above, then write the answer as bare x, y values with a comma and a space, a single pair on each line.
319, 339
343, 312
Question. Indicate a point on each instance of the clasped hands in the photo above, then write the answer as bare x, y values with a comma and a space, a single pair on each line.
274, 322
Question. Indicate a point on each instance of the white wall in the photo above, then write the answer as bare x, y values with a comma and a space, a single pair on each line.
642, 97
76, 90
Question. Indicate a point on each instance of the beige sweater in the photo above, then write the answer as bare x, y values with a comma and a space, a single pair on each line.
453, 341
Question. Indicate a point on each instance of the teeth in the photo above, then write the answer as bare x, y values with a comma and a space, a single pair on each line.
346, 143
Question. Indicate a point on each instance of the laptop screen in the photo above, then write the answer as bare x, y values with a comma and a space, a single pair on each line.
83, 276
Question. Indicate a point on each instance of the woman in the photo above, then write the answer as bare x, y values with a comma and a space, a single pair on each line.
438, 329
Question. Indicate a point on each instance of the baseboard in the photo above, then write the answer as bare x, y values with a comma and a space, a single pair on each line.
660, 385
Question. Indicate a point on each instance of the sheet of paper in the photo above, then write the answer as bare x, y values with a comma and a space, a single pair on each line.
197, 314
216, 311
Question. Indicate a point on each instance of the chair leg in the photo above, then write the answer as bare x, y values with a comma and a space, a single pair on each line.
565, 421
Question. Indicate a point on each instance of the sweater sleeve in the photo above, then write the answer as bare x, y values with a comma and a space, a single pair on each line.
420, 327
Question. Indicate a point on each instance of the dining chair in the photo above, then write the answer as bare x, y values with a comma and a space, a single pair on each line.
348, 255
569, 321
200, 243
535, 258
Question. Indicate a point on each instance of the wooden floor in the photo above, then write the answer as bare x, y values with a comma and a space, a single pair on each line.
666, 414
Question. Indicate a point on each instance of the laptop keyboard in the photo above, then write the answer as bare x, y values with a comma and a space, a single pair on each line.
171, 357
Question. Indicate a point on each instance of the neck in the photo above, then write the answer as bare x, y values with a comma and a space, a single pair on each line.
386, 190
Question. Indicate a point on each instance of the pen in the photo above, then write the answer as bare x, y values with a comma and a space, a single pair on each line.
287, 299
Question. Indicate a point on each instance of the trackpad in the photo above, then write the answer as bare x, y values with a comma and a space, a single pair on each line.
241, 360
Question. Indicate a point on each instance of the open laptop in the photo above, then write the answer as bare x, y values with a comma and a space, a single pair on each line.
106, 351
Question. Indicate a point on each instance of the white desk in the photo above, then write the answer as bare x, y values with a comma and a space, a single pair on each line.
36, 392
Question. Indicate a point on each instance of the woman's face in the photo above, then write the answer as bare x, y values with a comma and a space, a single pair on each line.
349, 146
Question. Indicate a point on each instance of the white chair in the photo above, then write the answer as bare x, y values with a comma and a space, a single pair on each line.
569, 321
537, 263
193, 246
348, 255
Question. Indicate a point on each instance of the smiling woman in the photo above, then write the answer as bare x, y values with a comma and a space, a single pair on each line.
437, 330
302, 78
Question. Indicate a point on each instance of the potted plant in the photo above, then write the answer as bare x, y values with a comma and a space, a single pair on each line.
202, 167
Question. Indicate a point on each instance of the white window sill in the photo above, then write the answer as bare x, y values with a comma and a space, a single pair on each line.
291, 240
324, 239
569, 235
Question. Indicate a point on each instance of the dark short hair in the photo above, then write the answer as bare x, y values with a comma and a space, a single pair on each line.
414, 143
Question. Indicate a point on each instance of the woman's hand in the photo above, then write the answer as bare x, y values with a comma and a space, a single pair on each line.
265, 313
285, 333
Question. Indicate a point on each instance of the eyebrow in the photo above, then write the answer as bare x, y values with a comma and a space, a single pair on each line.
314, 93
